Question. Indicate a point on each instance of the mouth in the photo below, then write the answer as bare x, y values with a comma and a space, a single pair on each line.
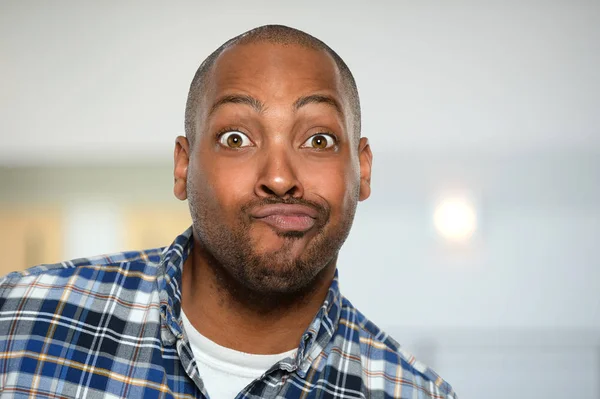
286, 218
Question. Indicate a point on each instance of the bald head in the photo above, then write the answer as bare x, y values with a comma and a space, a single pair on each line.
275, 34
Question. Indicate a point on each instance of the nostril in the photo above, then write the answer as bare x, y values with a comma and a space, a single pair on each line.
283, 191
265, 189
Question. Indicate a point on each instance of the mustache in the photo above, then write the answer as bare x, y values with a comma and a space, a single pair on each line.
322, 210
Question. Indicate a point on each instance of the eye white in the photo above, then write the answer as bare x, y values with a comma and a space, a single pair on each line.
224, 139
328, 138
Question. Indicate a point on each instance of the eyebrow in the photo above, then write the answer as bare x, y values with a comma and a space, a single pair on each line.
259, 106
318, 99
237, 99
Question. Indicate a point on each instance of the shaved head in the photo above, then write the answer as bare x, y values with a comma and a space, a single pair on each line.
276, 34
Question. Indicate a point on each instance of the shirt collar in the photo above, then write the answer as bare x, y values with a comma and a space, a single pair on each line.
314, 340
169, 286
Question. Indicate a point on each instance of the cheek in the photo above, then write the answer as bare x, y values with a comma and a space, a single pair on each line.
227, 184
337, 184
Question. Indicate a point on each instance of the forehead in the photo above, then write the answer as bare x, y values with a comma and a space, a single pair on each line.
274, 72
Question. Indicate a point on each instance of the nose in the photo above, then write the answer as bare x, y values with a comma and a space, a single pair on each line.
278, 176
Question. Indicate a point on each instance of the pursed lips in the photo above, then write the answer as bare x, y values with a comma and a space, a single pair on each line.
286, 217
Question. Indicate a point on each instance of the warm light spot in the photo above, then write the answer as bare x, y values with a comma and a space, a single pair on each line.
455, 219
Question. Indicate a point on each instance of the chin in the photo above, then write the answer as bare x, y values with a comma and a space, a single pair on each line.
279, 271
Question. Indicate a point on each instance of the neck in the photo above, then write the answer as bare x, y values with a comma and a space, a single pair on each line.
225, 312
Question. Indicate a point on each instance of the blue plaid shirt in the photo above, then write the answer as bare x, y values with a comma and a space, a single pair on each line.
110, 327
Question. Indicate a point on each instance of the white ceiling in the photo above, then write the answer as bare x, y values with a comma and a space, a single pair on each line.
105, 81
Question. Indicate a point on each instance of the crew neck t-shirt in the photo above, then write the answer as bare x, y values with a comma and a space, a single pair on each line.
224, 371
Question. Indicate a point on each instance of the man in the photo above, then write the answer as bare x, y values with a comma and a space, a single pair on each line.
246, 302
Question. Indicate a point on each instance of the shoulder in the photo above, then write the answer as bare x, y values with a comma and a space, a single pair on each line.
86, 276
389, 366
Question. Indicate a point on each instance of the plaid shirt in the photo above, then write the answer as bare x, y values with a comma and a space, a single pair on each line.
110, 327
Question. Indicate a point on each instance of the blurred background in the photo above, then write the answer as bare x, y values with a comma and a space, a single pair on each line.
478, 250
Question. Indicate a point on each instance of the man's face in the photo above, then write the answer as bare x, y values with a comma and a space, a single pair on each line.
274, 171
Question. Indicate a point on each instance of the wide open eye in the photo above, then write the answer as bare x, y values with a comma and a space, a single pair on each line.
234, 139
320, 141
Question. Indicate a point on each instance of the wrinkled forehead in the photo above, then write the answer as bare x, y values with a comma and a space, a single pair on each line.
275, 72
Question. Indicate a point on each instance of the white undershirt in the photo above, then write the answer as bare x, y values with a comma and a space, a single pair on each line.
225, 372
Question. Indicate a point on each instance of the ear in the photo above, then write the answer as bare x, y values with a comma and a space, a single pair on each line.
182, 158
365, 157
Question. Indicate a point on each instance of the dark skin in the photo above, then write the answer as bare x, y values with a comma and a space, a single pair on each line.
275, 136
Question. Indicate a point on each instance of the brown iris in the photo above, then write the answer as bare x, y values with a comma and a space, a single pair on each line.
319, 142
234, 140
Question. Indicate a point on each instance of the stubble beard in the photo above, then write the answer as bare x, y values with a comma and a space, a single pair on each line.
272, 280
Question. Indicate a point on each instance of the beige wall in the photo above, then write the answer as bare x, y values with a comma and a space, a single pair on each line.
36, 235
29, 236
36, 210
151, 227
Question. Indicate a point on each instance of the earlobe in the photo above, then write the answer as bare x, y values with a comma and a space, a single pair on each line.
366, 161
365, 190
181, 162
